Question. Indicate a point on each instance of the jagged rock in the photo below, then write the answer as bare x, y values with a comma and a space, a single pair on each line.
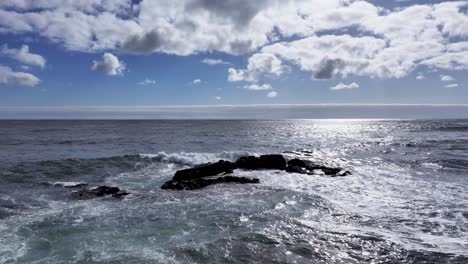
102, 191
202, 183
272, 162
205, 170
308, 167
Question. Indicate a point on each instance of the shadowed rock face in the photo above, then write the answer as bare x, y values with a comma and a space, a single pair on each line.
272, 162
205, 170
102, 191
202, 183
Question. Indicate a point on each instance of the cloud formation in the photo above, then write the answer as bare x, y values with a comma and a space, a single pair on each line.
214, 61
256, 87
272, 94
323, 38
12, 78
23, 55
196, 81
446, 78
342, 86
110, 64
453, 85
147, 81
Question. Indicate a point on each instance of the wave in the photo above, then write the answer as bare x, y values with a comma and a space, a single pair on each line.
194, 158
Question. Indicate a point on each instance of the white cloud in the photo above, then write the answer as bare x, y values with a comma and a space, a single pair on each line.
256, 87
10, 77
342, 86
196, 81
218, 97
260, 65
446, 78
110, 65
272, 94
23, 55
420, 76
215, 61
454, 85
147, 82
324, 38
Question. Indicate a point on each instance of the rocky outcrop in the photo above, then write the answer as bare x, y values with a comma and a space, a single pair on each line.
195, 178
264, 162
200, 183
101, 191
205, 170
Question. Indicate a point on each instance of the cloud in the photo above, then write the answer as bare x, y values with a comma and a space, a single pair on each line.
272, 94
215, 61
342, 86
10, 77
218, 97
256, 87
446, 78
23, 55
110, 65
259, 65
454, 85
420, 76
147, 81
326, 39
196, 81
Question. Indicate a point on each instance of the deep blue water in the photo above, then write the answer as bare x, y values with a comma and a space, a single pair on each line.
406, 201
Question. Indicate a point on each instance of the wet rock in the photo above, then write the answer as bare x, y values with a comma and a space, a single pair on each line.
200, 183
205, 170
269, 162
309, 167
102, 191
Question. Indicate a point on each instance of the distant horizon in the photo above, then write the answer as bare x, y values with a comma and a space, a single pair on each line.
245, 112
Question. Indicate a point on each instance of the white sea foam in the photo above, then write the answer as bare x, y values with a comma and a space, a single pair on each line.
193, 158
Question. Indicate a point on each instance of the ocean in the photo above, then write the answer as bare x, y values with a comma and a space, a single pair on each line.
406, 200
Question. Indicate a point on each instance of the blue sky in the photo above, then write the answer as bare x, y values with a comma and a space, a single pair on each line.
99, 54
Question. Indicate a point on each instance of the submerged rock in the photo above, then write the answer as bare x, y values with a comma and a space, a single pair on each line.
205, 170
102, 191
200, 183
271, 162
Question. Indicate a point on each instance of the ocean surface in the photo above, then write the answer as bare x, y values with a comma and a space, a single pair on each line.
405, 202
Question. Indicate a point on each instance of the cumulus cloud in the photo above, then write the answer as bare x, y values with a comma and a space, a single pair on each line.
10, 77
453, 85
23, 55
256, 87
147, 81
323, 38
342, 86
110, 64
218, 97
446, 78
420, 76
272, 94
214, 61
196, 81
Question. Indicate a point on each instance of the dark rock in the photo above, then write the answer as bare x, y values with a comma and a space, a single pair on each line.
296, 169
199, 183
102, 191
272, 162
205, 170
308, 167
248, 163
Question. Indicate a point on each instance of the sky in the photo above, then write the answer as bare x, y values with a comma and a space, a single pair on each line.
139, 53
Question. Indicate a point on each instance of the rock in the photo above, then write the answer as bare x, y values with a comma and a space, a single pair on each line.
308, 167
102, 191
204, 170
271, 162
199, 183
